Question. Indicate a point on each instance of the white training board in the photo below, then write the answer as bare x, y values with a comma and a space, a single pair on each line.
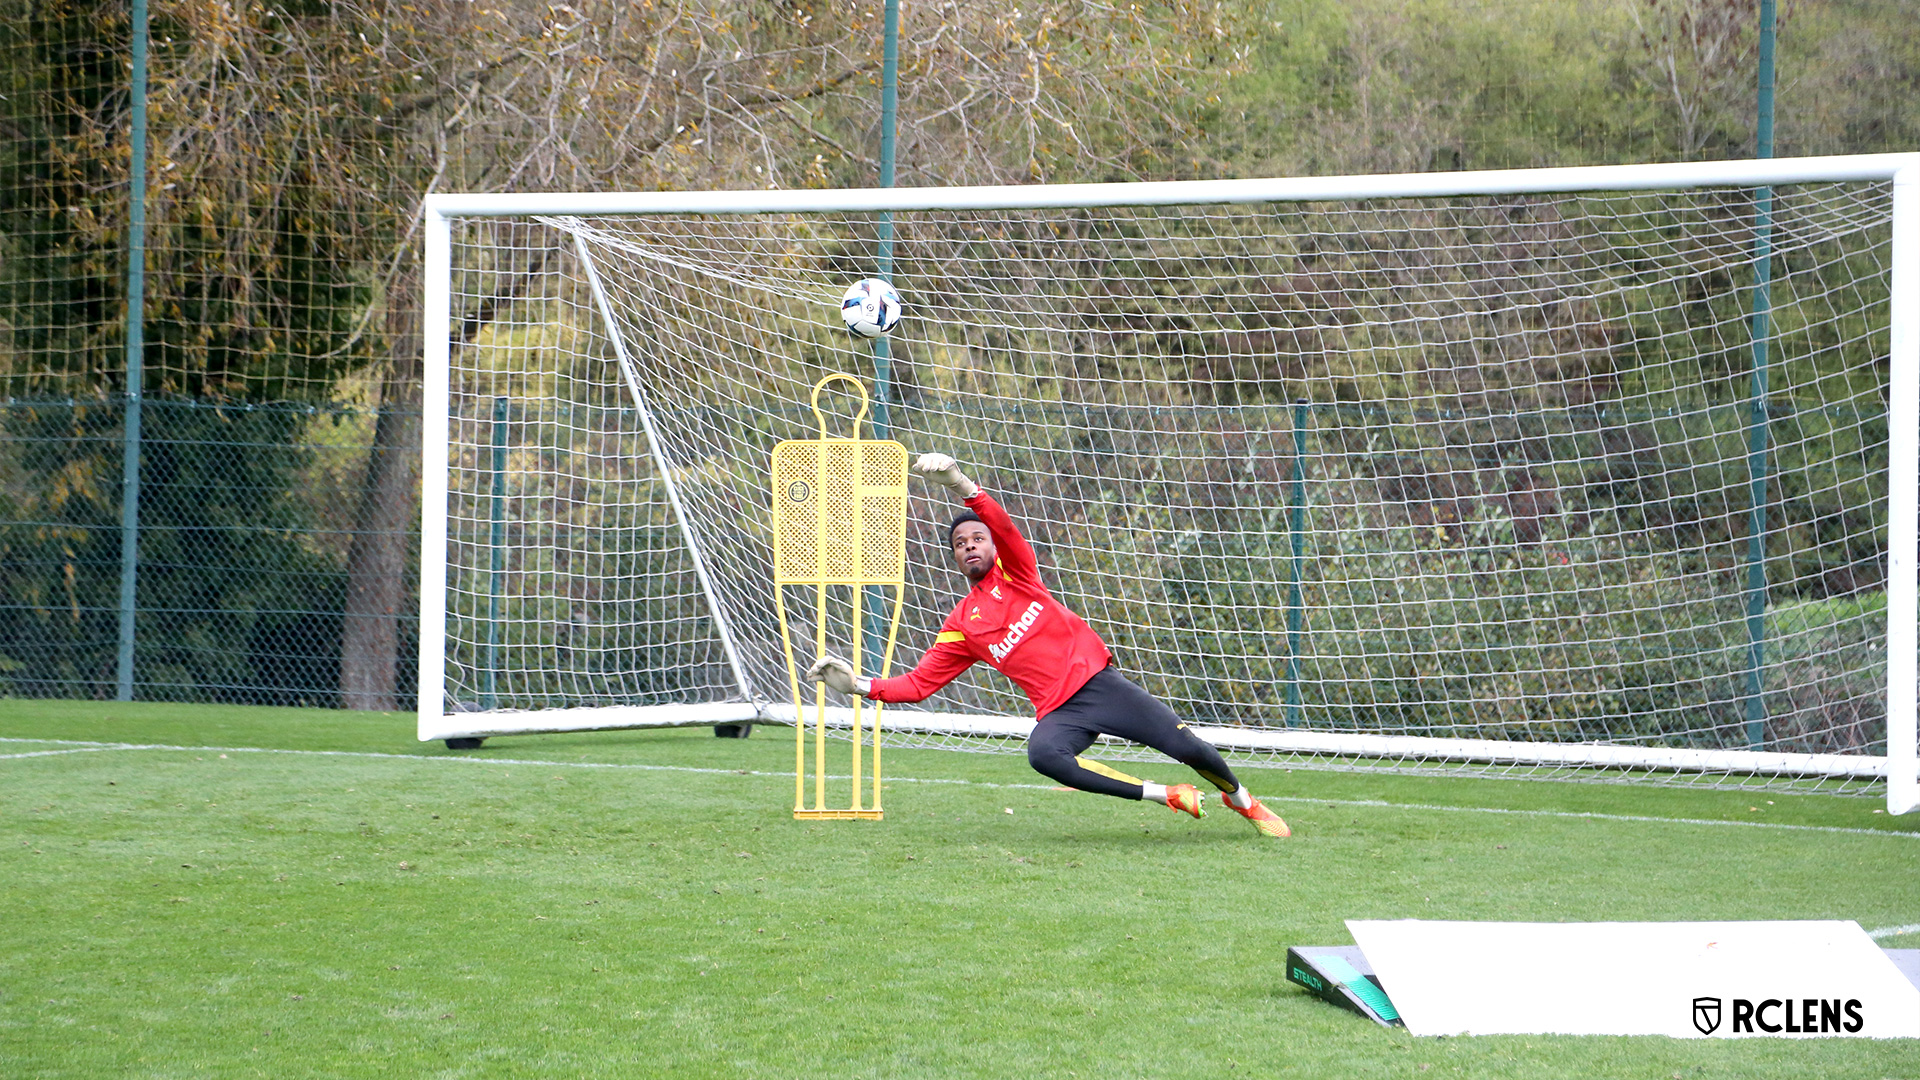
1686, 980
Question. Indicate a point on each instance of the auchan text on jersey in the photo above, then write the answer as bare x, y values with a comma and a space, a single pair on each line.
1017, 631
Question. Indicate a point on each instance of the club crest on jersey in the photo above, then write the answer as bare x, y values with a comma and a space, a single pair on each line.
1015, 632
996, 592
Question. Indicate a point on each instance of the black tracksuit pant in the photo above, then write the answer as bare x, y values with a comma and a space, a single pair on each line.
1109, 704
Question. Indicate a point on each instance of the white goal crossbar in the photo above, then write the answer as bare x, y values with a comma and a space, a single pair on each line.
1897, 768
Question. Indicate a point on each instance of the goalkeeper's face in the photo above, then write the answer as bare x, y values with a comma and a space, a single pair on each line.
973, 549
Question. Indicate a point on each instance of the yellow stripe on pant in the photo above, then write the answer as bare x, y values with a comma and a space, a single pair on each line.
1107, 771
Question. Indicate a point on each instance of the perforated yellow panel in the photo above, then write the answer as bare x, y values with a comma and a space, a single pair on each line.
839, 512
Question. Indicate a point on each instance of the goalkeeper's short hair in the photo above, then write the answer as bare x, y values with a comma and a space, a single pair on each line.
960, 519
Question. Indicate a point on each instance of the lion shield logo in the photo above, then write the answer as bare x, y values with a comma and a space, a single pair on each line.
1706, 1014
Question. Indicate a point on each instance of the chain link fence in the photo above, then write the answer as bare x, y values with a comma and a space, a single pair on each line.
246, 531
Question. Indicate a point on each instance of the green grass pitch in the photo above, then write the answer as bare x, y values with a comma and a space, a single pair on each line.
284, 893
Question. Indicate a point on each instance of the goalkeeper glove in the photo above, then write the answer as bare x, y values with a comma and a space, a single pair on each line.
943, 470
838, 674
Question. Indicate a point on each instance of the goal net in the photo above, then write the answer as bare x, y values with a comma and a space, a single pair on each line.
1600, 472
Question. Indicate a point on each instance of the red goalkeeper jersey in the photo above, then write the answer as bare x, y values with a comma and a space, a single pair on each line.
1011, 621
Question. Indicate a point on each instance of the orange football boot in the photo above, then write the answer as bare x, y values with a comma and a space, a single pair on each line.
1263, 819
1186, 799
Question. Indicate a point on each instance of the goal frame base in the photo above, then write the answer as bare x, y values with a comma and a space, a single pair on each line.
1311, 744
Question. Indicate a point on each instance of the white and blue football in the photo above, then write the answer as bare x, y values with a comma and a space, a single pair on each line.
871, 307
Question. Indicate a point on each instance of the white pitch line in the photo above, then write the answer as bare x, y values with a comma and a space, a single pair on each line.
65, 742
1302, 799
52, 753
1894, 931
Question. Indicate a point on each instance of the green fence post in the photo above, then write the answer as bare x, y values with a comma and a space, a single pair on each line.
496, 541
1296, 529
136, 370
1759, 419
875, 645
889, 113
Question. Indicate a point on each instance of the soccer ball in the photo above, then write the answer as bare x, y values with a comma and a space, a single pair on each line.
871, 307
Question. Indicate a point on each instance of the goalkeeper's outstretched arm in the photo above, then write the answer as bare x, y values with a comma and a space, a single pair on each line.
943, 470
838, 674
1009, 549
941, 665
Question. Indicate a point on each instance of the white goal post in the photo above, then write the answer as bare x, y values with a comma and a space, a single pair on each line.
1605, 472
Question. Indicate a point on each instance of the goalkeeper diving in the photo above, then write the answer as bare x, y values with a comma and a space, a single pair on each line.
1010, 621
